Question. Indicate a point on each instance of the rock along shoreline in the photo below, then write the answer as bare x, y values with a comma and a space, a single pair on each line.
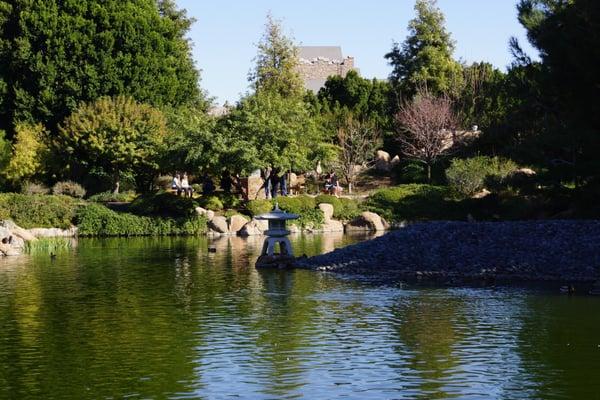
456, 253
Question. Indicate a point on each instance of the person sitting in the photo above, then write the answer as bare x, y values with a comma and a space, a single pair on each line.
185, 186
176, 184
334, 187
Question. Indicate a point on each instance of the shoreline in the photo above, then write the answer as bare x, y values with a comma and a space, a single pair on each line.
480, 253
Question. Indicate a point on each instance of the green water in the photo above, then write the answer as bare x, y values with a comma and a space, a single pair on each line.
164, 318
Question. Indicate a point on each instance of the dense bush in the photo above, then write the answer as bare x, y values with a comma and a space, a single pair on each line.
69, 188
110, 196
211, 202
413, 202
98, 220
257, 207
38, 211
296, 205
163, 204
33, 188
343, 209
469, 176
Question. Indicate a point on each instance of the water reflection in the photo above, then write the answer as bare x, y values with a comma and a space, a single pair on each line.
166, 318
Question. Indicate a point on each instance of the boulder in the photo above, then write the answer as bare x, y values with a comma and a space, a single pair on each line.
236, 223
395, 161
254, 228
332, 226
327, 210
482, 194
219, 224
23, 234
209, 214
382, 161
367, 221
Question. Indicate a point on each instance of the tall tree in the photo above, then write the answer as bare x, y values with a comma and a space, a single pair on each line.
276, 62
55, 54
567, 35
425, 57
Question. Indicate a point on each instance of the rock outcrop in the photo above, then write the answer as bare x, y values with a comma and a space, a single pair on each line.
367, 221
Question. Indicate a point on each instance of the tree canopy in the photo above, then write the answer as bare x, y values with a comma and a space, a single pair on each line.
55, 54
425, 57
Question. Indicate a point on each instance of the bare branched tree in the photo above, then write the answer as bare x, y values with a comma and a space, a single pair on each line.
427, 128
358, 142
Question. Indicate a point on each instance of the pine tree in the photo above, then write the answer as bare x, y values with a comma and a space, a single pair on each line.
425, 57
276, 62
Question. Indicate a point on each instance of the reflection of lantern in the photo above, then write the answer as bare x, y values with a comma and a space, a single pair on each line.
276, 235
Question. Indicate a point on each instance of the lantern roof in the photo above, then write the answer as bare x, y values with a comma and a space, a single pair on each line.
277, 215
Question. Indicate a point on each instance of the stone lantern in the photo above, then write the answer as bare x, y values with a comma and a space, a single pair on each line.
276, 234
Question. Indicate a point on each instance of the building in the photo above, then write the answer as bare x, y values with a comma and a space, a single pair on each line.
317, 63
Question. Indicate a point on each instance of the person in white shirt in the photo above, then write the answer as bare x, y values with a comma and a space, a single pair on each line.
185, 186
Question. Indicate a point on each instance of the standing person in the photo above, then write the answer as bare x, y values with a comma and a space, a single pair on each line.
268, 183
208, 186
274, 182
226, 182
283, 183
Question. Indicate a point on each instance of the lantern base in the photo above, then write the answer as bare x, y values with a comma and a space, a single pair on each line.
269, 259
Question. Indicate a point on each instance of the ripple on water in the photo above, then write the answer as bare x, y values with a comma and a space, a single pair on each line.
166, 319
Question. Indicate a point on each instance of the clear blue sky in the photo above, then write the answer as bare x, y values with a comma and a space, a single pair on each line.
226, 32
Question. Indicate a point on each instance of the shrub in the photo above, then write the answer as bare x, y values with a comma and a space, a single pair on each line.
46, 246
343, 209
110, 196
163, 204
211, 202
469, 176
413, 202
98, 220
310, 218
32, 188
69, 188
296, 205
257, 207
38, 211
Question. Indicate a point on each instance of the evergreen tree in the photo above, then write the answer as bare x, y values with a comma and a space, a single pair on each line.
425, 57
55, 54
276, 63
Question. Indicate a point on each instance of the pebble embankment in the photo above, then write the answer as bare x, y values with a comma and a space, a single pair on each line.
461, 252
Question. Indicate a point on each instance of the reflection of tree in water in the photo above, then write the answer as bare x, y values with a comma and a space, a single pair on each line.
109, 323
427, 333
560, 345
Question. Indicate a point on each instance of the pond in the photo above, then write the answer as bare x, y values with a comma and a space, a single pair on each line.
166, 318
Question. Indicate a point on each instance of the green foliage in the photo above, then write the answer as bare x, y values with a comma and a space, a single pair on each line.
47, 246
195, 144
98, 220
365, 99
268, 129
310, 219
297, 204
29, 154
413, 202
469, 176
69, 188
5, 152
32, 188
276, 62
163, 204
425, 58
56, 54
38, 211
344, 209
212, 202
116, 135
257, 207
107, 197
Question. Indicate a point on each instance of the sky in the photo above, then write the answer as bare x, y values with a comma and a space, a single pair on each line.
225, 33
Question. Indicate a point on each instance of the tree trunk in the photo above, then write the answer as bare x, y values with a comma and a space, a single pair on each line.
428, 173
